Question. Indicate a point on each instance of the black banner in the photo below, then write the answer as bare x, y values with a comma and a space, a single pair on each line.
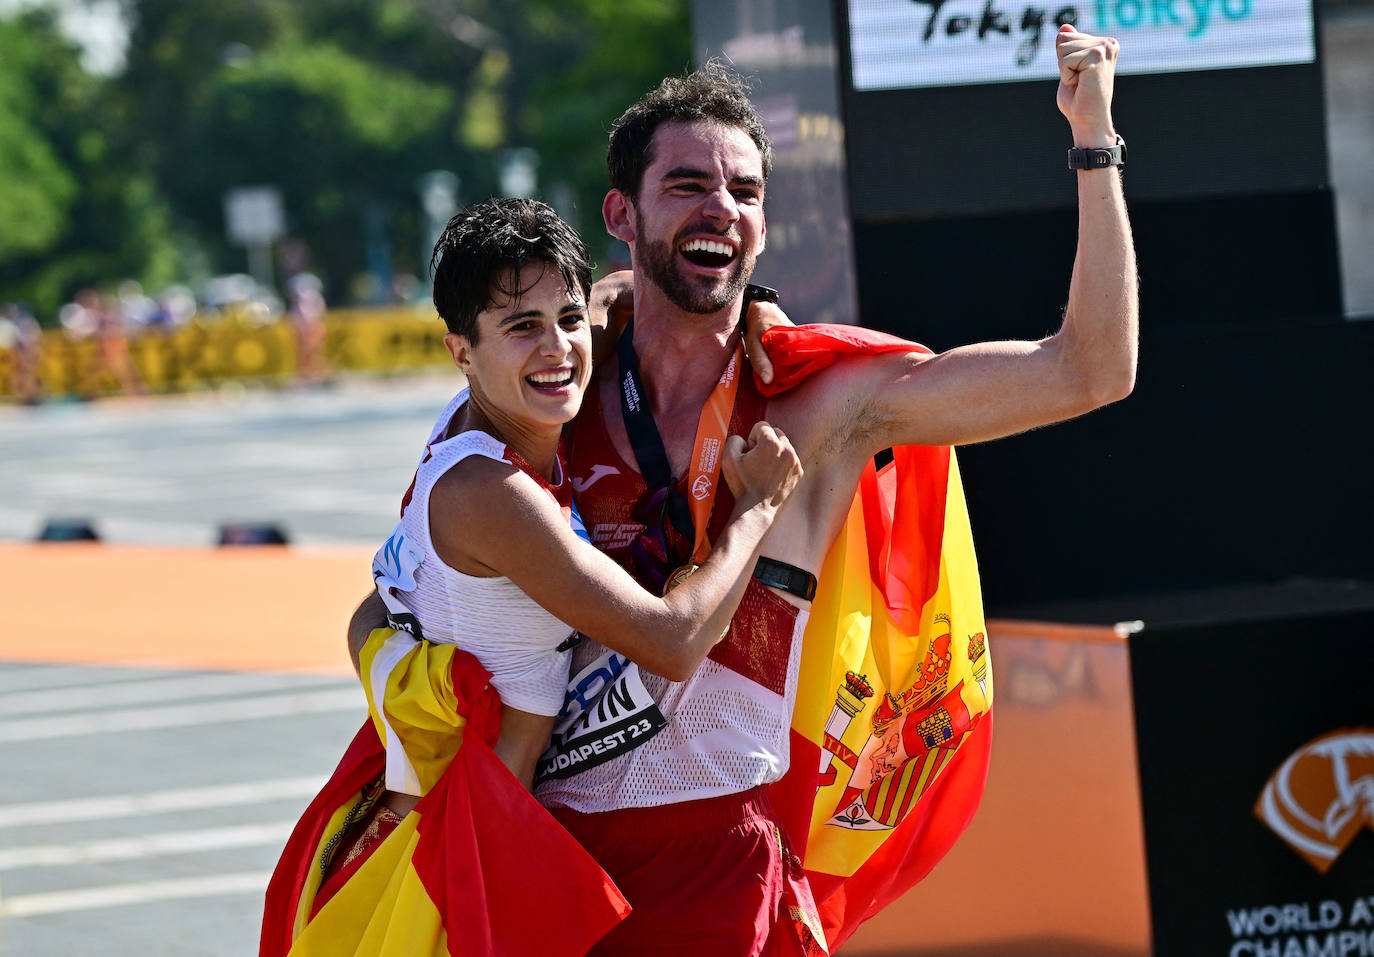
1256, 746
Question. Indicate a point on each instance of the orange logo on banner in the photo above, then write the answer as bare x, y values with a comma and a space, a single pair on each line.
1320, 798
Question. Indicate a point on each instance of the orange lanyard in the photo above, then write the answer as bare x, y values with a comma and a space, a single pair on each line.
712, 431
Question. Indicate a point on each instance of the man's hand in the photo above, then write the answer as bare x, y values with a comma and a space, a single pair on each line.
761, 317
1087, 70
609, 308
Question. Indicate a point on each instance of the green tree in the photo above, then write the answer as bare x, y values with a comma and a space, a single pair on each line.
73, 211
343, 104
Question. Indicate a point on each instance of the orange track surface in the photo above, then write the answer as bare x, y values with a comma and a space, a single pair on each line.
1053, 864
247, 608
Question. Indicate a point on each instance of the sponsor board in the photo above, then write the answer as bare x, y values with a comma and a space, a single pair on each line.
212, 350
903, 44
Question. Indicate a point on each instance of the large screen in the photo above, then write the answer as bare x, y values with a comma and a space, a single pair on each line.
901, 44
788, 48
949, 105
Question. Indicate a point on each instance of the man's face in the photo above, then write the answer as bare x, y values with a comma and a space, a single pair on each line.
699, 222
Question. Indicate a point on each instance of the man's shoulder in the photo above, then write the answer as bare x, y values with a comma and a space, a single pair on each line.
827, 384
799, 353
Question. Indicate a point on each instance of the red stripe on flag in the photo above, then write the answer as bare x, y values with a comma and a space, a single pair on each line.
362, 762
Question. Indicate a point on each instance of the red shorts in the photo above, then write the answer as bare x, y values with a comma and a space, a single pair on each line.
703, 877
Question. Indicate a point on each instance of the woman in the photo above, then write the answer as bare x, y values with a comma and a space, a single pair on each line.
487, 559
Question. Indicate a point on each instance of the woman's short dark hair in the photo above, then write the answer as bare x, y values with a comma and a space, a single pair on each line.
714, 92
483, 248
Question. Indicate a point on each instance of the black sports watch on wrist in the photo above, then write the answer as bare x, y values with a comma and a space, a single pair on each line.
753, 293
1099, 157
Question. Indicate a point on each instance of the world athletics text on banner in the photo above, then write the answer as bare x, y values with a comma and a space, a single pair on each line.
899, 44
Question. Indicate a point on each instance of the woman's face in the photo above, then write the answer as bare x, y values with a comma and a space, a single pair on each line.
532, 360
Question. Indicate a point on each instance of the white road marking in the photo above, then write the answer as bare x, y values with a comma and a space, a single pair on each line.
25, 678
159, 802
117, 895
68, 699
181, 716
149, 845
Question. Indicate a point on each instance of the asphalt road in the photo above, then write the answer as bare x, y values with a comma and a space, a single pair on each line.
329, 465
142, 810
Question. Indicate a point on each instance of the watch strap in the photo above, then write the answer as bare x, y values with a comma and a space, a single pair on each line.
789, 578
1099, 157
755, 293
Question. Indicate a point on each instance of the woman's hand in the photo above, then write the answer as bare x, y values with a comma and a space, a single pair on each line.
763, 469
761, 317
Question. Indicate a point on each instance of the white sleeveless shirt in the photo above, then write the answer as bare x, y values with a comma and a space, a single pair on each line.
523, 646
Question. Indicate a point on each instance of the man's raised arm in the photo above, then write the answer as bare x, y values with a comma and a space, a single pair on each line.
992, 389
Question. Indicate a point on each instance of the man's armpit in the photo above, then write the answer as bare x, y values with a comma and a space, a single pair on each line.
840, 413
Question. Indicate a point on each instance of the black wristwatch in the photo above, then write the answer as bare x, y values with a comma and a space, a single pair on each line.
1099, 157
753, 293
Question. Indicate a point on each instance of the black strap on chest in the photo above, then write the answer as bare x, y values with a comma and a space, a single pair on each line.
645, 439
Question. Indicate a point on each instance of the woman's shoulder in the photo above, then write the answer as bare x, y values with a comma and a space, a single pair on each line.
485, 485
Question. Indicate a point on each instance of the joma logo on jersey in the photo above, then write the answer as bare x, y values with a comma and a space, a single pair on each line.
612, 535
1322, 795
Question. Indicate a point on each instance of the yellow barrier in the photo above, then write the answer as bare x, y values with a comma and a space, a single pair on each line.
217, 349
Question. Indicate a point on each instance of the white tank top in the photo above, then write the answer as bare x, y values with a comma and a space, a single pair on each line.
629, 738
523, 646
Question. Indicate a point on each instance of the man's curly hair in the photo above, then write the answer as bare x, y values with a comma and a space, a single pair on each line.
483, 248
714, 92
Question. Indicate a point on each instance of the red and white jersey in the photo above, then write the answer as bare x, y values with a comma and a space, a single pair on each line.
727, 726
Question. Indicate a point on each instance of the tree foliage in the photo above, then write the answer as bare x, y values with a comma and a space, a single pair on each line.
340, 104
72, 214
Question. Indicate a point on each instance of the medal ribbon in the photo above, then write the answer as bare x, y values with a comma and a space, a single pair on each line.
692, 515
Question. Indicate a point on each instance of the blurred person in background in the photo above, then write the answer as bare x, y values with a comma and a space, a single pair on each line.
91, 316
21, 335
307, 309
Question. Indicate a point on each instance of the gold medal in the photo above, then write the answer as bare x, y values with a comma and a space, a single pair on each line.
679, 575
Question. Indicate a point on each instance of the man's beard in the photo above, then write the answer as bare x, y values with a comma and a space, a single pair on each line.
686, 291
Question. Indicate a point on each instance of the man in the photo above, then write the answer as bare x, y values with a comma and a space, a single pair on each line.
681, 818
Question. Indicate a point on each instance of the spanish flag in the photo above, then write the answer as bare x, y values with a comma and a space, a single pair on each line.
478, 868
892, 728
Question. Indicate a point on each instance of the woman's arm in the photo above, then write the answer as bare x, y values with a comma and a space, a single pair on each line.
490, 519
367, 618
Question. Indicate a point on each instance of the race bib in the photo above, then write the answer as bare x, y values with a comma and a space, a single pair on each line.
607, 713
393, 570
